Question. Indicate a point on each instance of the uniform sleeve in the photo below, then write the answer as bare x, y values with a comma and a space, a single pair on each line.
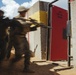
33, 28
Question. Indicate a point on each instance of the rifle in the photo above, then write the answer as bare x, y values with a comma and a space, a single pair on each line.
38, 24
33, 21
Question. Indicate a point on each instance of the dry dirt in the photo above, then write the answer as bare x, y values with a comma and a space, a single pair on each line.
40, 68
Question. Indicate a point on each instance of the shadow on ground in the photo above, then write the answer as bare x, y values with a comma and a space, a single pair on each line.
40, 68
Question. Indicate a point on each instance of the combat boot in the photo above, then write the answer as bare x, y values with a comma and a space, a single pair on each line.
27, 70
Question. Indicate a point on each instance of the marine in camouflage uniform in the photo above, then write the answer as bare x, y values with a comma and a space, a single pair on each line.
3, 35
19, 40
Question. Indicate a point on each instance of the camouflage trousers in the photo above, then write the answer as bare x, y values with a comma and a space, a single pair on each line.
3, 46
21, 46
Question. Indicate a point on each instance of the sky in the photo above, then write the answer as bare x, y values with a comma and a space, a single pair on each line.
10, 6
18, 1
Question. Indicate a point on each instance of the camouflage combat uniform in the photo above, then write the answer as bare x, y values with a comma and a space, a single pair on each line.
19, 40
3, 36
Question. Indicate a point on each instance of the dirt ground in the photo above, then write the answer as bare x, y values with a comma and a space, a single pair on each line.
40, 68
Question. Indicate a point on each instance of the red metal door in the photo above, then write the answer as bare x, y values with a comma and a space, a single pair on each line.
58, 39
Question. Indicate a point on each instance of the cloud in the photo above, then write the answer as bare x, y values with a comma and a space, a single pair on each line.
10, 6
30, 3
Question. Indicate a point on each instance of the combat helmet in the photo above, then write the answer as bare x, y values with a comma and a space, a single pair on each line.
22, 9
1, 11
